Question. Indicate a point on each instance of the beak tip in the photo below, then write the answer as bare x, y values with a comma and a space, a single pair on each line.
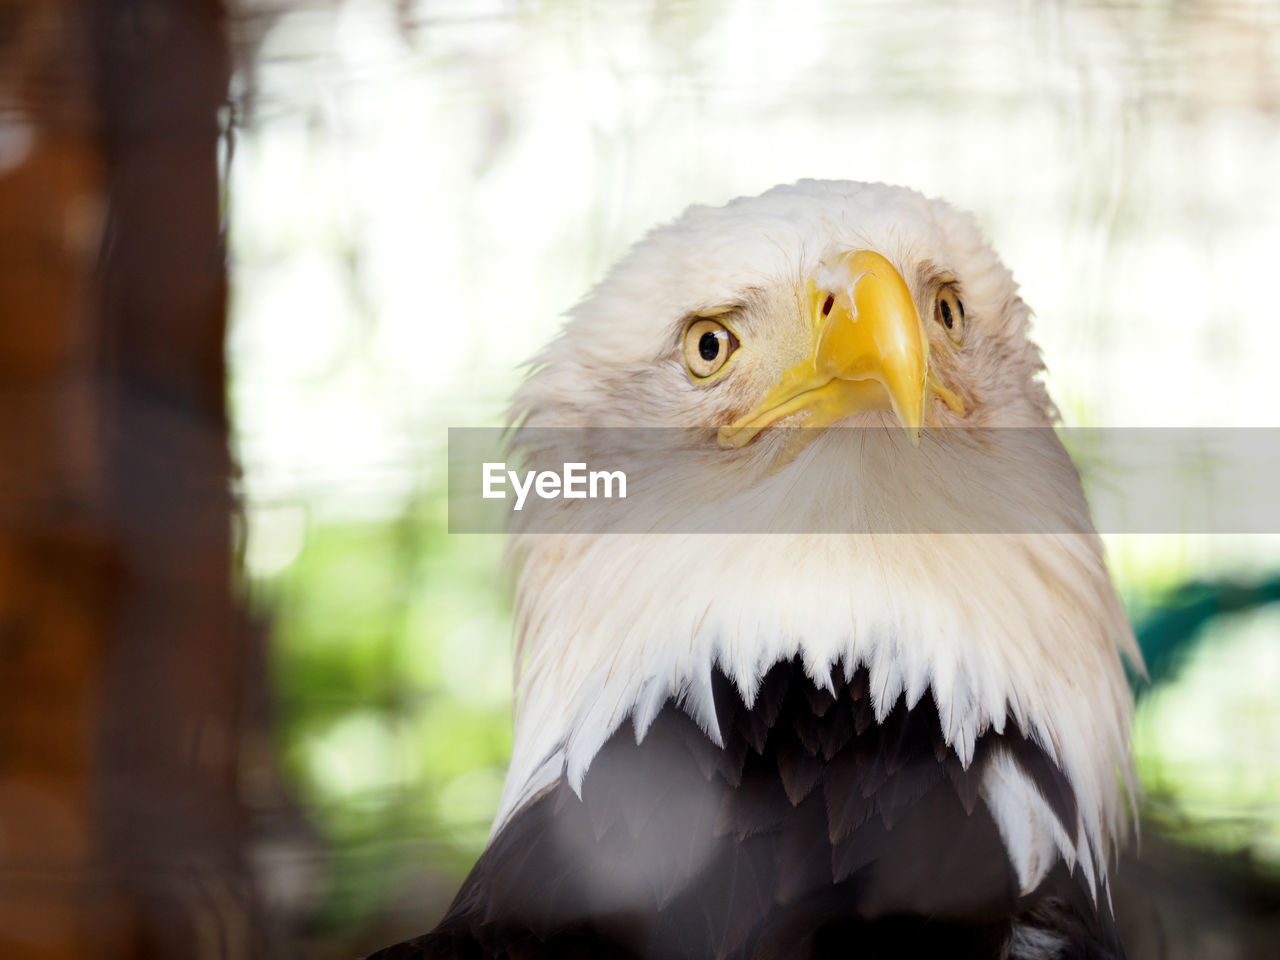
734, 436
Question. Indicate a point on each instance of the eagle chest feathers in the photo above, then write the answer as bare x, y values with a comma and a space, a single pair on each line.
847, 744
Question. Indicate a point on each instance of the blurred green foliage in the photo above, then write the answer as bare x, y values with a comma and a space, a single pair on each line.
392, 672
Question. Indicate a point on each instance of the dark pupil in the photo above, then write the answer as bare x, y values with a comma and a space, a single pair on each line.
946, 314
709, 346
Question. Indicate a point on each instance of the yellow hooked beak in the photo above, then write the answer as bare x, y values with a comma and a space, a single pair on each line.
870, 352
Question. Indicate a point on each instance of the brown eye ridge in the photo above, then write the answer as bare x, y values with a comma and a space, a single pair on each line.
708, 344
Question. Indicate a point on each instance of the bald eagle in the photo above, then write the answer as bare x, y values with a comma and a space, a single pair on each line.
834, 743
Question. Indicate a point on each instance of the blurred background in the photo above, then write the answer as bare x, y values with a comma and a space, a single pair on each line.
412, 192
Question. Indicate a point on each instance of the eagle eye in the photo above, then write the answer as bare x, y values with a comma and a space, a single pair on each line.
949, 312
708, 344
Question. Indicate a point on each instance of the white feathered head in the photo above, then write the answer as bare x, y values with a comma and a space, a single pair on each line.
773, 323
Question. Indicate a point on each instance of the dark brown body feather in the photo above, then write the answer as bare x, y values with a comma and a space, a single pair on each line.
814, 832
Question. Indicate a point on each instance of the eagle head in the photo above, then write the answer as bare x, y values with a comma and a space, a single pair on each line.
763, 330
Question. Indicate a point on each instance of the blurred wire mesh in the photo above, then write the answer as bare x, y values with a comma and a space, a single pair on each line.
418, 191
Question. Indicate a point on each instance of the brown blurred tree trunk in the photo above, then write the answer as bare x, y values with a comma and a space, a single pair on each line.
122, 650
